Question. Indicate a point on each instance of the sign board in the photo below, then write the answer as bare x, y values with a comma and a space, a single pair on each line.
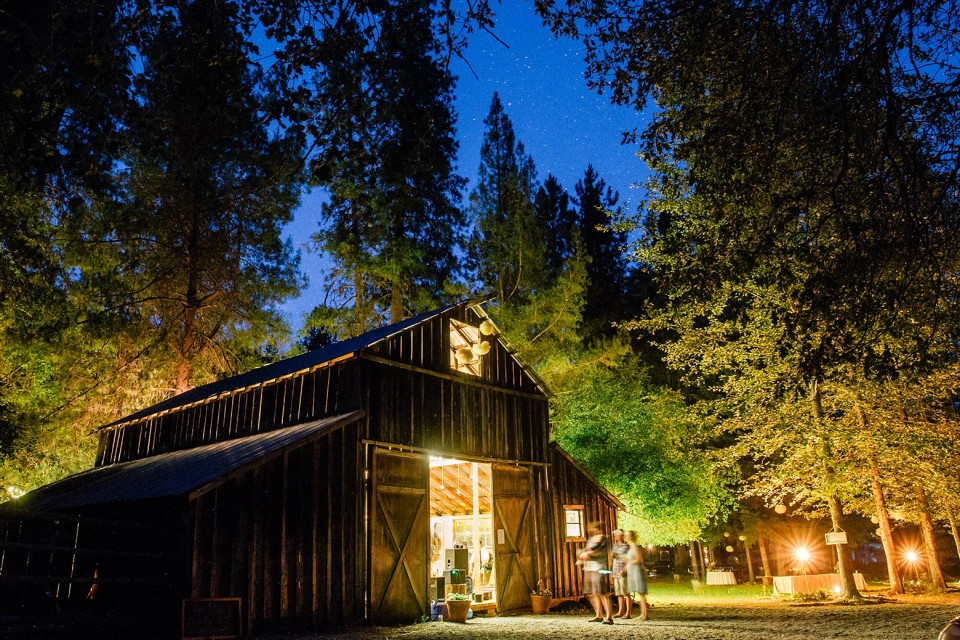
209, 618
836, 537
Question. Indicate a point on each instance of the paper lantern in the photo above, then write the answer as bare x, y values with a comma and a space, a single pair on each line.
482, 349
781, 509
878, 532
742, 538
487, 328
726, 534
729, 549
466, 354
874, 519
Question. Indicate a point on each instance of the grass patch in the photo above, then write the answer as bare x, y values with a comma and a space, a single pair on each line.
667, 589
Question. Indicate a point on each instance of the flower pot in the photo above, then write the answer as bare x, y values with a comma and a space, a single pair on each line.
540, 604
457, 610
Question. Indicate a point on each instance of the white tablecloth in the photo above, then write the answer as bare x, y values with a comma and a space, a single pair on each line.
785, 585
721, 577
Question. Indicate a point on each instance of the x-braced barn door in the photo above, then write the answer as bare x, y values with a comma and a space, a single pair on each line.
399, 540
513, 515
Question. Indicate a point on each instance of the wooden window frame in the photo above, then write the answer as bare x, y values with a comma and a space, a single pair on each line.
578, 508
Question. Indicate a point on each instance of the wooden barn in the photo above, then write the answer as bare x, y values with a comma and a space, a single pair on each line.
325, 489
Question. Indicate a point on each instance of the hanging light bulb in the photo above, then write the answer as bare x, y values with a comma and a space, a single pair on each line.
487, 328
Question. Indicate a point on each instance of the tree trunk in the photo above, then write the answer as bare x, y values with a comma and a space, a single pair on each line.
682, 555
396, 302
746, 550
886, 531
929, 541
844, 560
184, 365
764, 559
695, 560
358, 310
953, 530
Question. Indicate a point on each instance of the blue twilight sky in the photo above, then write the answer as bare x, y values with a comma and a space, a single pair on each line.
563, 126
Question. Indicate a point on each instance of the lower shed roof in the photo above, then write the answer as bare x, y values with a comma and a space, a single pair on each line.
178, 472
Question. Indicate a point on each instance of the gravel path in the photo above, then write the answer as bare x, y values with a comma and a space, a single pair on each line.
714, 621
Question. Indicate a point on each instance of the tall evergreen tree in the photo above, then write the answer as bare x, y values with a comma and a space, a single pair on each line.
605, 248
391, 224
559, 221
209, 189
507, 247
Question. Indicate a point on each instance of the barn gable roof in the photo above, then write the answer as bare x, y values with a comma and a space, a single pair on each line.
306, 361
177, 473
589, 476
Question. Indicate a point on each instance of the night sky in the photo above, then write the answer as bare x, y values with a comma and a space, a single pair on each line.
563, 126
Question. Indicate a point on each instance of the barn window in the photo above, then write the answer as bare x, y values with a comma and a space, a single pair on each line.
463, 356
573, 522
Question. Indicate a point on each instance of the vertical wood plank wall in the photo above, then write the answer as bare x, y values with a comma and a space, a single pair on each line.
571, 486
284, 537
504, 416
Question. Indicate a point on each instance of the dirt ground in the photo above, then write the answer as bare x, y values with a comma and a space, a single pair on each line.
910, 619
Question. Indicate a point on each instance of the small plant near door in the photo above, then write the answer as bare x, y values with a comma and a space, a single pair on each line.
458, 607
540, 598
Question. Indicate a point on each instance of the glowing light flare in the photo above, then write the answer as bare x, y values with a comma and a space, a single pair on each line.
802, 554
911, 556
837, 589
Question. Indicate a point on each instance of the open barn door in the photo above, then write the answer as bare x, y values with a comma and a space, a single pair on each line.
513, 515
399, 541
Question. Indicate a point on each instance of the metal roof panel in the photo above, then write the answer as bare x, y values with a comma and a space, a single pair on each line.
177, 472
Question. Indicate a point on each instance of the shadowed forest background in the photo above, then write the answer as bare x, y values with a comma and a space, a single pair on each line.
775, 325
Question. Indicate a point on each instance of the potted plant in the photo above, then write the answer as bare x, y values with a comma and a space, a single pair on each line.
540, 599
458, 606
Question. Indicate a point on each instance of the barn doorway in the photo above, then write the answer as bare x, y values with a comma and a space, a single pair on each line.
461, 531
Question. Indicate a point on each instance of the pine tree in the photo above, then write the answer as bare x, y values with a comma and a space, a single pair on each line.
559, 221
391, 224
604, 246
507, 247
208, 191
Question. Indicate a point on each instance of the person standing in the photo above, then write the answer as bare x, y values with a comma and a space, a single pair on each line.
483, 564
595, 583
636, 577
620, 592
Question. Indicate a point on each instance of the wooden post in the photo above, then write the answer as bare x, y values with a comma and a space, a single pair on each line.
475, 551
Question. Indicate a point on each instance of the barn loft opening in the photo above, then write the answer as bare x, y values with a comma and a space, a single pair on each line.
464, 342
461, 529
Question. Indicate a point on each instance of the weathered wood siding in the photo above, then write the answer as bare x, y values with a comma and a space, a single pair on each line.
405, 383
570, 486
284, 537
325, 391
